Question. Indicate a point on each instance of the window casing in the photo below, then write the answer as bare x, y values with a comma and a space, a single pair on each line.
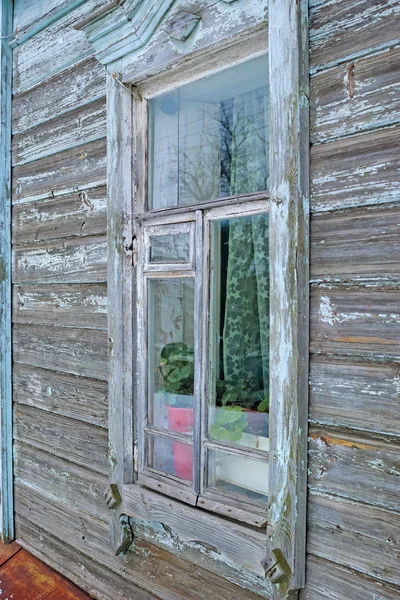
202, 394
287, 207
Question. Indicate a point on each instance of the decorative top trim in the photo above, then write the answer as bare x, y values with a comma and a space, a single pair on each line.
123, 27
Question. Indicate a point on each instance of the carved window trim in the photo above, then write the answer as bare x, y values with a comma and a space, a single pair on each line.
279, 555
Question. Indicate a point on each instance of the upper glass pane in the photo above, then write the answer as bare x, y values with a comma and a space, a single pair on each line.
170, 248
209, 138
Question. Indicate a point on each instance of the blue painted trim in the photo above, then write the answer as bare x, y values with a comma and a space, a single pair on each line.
6, 474
45, 21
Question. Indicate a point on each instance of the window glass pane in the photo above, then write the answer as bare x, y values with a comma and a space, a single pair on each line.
238, 378
238, 474
170, 456
171, 353
209, 138
170, 248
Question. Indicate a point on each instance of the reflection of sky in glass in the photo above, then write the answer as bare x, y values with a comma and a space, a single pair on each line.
209, 141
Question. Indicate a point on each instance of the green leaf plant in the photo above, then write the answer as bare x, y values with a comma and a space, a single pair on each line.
177, 370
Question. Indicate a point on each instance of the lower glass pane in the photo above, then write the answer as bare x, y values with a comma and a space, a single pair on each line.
170, 456
171, 353
239, 475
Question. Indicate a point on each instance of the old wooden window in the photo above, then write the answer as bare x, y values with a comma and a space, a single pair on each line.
203, 294
208, 291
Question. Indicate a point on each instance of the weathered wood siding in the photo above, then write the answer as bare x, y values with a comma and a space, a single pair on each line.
60, 346
60, 311
354, 449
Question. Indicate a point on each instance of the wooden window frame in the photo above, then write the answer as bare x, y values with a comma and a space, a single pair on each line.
278, 552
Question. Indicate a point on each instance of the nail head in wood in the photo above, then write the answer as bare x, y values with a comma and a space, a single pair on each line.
112, 496
184, 26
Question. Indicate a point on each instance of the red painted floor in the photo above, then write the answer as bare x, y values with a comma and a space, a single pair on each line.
24, 577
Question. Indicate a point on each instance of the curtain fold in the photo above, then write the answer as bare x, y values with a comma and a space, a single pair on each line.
246, 323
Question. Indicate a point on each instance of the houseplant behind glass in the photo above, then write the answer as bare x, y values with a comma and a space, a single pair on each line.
176, 367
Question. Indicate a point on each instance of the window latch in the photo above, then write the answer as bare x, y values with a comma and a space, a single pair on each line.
132, 250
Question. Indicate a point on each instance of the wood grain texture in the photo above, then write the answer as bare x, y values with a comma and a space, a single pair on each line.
354, 535
327, 580
24, 576
72, 168
62, 394
289, 261
154, 569
356, 395
81, 84
356, 244
77, 351
358, 170
53, 49
78, 214
74, 305
82, 125
97, 580
8, 550
355, 96
69, 260
25, 14
6, 499
242, 545
353, 466
64, 481
362, 26
221, 24
363, 321
75, 441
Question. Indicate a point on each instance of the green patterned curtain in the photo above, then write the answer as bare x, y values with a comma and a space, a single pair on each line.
246, 326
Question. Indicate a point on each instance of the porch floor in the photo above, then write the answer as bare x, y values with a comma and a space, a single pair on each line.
24, 577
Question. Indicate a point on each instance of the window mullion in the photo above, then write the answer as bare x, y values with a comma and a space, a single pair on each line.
198, 353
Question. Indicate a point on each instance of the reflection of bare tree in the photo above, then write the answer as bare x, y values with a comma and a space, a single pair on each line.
228, 153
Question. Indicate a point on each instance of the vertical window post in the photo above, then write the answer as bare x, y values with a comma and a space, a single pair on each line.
289, 182
6, 502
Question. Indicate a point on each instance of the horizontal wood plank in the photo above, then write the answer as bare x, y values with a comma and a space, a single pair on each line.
97, 580
244, 546
53, 49
152, 568
355, 535
355, 467
74, 305
67, 395
83, 125
77, 351
76, 167
356, 244
361, 27
362, 321
81, 84
356, 395
70, 260
26, 13
358, 170
64, 481
7, 551
326, 580
78, 214
74, 441
356, 96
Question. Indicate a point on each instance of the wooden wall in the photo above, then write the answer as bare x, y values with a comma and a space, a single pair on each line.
60, 312
354, 452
